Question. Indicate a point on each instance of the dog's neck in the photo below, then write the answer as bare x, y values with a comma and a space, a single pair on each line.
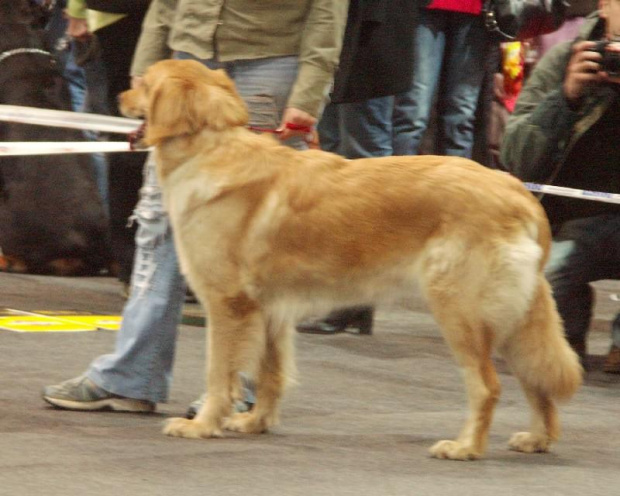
173, 152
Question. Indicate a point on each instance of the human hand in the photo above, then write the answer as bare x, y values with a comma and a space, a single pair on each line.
296, 118
613, 47
582, 71
78, 28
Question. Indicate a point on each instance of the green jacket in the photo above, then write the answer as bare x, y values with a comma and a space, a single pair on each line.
543, 137
230, 30
543, 130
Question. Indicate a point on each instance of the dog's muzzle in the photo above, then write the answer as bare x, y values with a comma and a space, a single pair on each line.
136, 138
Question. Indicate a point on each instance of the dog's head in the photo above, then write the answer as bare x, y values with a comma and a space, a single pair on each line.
183, 97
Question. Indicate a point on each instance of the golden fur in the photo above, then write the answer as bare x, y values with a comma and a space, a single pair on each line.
266, 235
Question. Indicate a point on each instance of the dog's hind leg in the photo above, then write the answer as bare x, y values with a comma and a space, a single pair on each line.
236, 342
472, 350
547, 368
276, 368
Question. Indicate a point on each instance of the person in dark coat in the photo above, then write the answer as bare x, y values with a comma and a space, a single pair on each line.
115, 30
564, 132
376, 63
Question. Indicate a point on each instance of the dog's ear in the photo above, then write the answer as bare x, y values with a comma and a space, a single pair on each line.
181, 106
175, 108
225, 106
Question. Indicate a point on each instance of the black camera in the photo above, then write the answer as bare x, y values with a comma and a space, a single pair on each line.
611, 59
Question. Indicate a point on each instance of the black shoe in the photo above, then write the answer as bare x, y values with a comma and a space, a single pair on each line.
190, 297
360, 318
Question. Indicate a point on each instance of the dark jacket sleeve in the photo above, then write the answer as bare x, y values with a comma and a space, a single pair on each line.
119, 6
377, 52
540, 127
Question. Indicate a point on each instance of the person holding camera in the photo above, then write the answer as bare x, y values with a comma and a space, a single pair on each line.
565, 131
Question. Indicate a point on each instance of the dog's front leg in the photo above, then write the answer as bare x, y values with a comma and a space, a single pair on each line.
276, 369
236, 341
208, 421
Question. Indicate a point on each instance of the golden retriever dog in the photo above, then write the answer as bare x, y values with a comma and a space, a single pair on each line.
267, 235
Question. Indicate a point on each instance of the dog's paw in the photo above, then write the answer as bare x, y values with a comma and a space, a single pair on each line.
190, 429
527, 442
453, 450
247, 422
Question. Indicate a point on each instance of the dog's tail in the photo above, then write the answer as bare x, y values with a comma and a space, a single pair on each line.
534, 345
538, 352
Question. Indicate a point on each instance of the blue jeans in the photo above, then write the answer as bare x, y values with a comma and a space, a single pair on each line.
141, 365
357, 130
96, 102
450, 51
583, 251
80, 86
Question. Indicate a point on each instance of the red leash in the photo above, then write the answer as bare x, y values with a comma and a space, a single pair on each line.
288, 125
311, 136
136, 136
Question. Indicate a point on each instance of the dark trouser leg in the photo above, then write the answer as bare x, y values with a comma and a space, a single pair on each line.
584, 251
125, 169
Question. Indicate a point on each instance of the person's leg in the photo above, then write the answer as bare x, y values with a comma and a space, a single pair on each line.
412, 108
57, 38
96, 102
583, 251
462, 76
141, 364
366, 128
329, 129
124, 169
265, 86
140, 368
612, 362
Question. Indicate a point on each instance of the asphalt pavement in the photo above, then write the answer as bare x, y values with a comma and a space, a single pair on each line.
360, 421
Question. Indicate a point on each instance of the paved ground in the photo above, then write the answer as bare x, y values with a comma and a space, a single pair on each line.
359, 423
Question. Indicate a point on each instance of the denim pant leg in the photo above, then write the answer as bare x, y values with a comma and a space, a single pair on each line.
141, 365
412, 108
264, 85
96, 102
357, 130
463, 73
583, 251
453, 46
366, 128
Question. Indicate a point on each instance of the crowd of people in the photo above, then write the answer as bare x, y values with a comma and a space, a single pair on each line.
375, 78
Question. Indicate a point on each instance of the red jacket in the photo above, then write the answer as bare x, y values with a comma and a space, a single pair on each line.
466, 6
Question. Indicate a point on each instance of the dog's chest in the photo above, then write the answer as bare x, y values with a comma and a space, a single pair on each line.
186, 192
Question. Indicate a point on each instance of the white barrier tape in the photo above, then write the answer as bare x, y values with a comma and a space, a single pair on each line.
63, 118
15, 148
574, 193
105, 123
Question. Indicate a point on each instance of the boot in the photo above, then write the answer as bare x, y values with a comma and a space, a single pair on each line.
360, 318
